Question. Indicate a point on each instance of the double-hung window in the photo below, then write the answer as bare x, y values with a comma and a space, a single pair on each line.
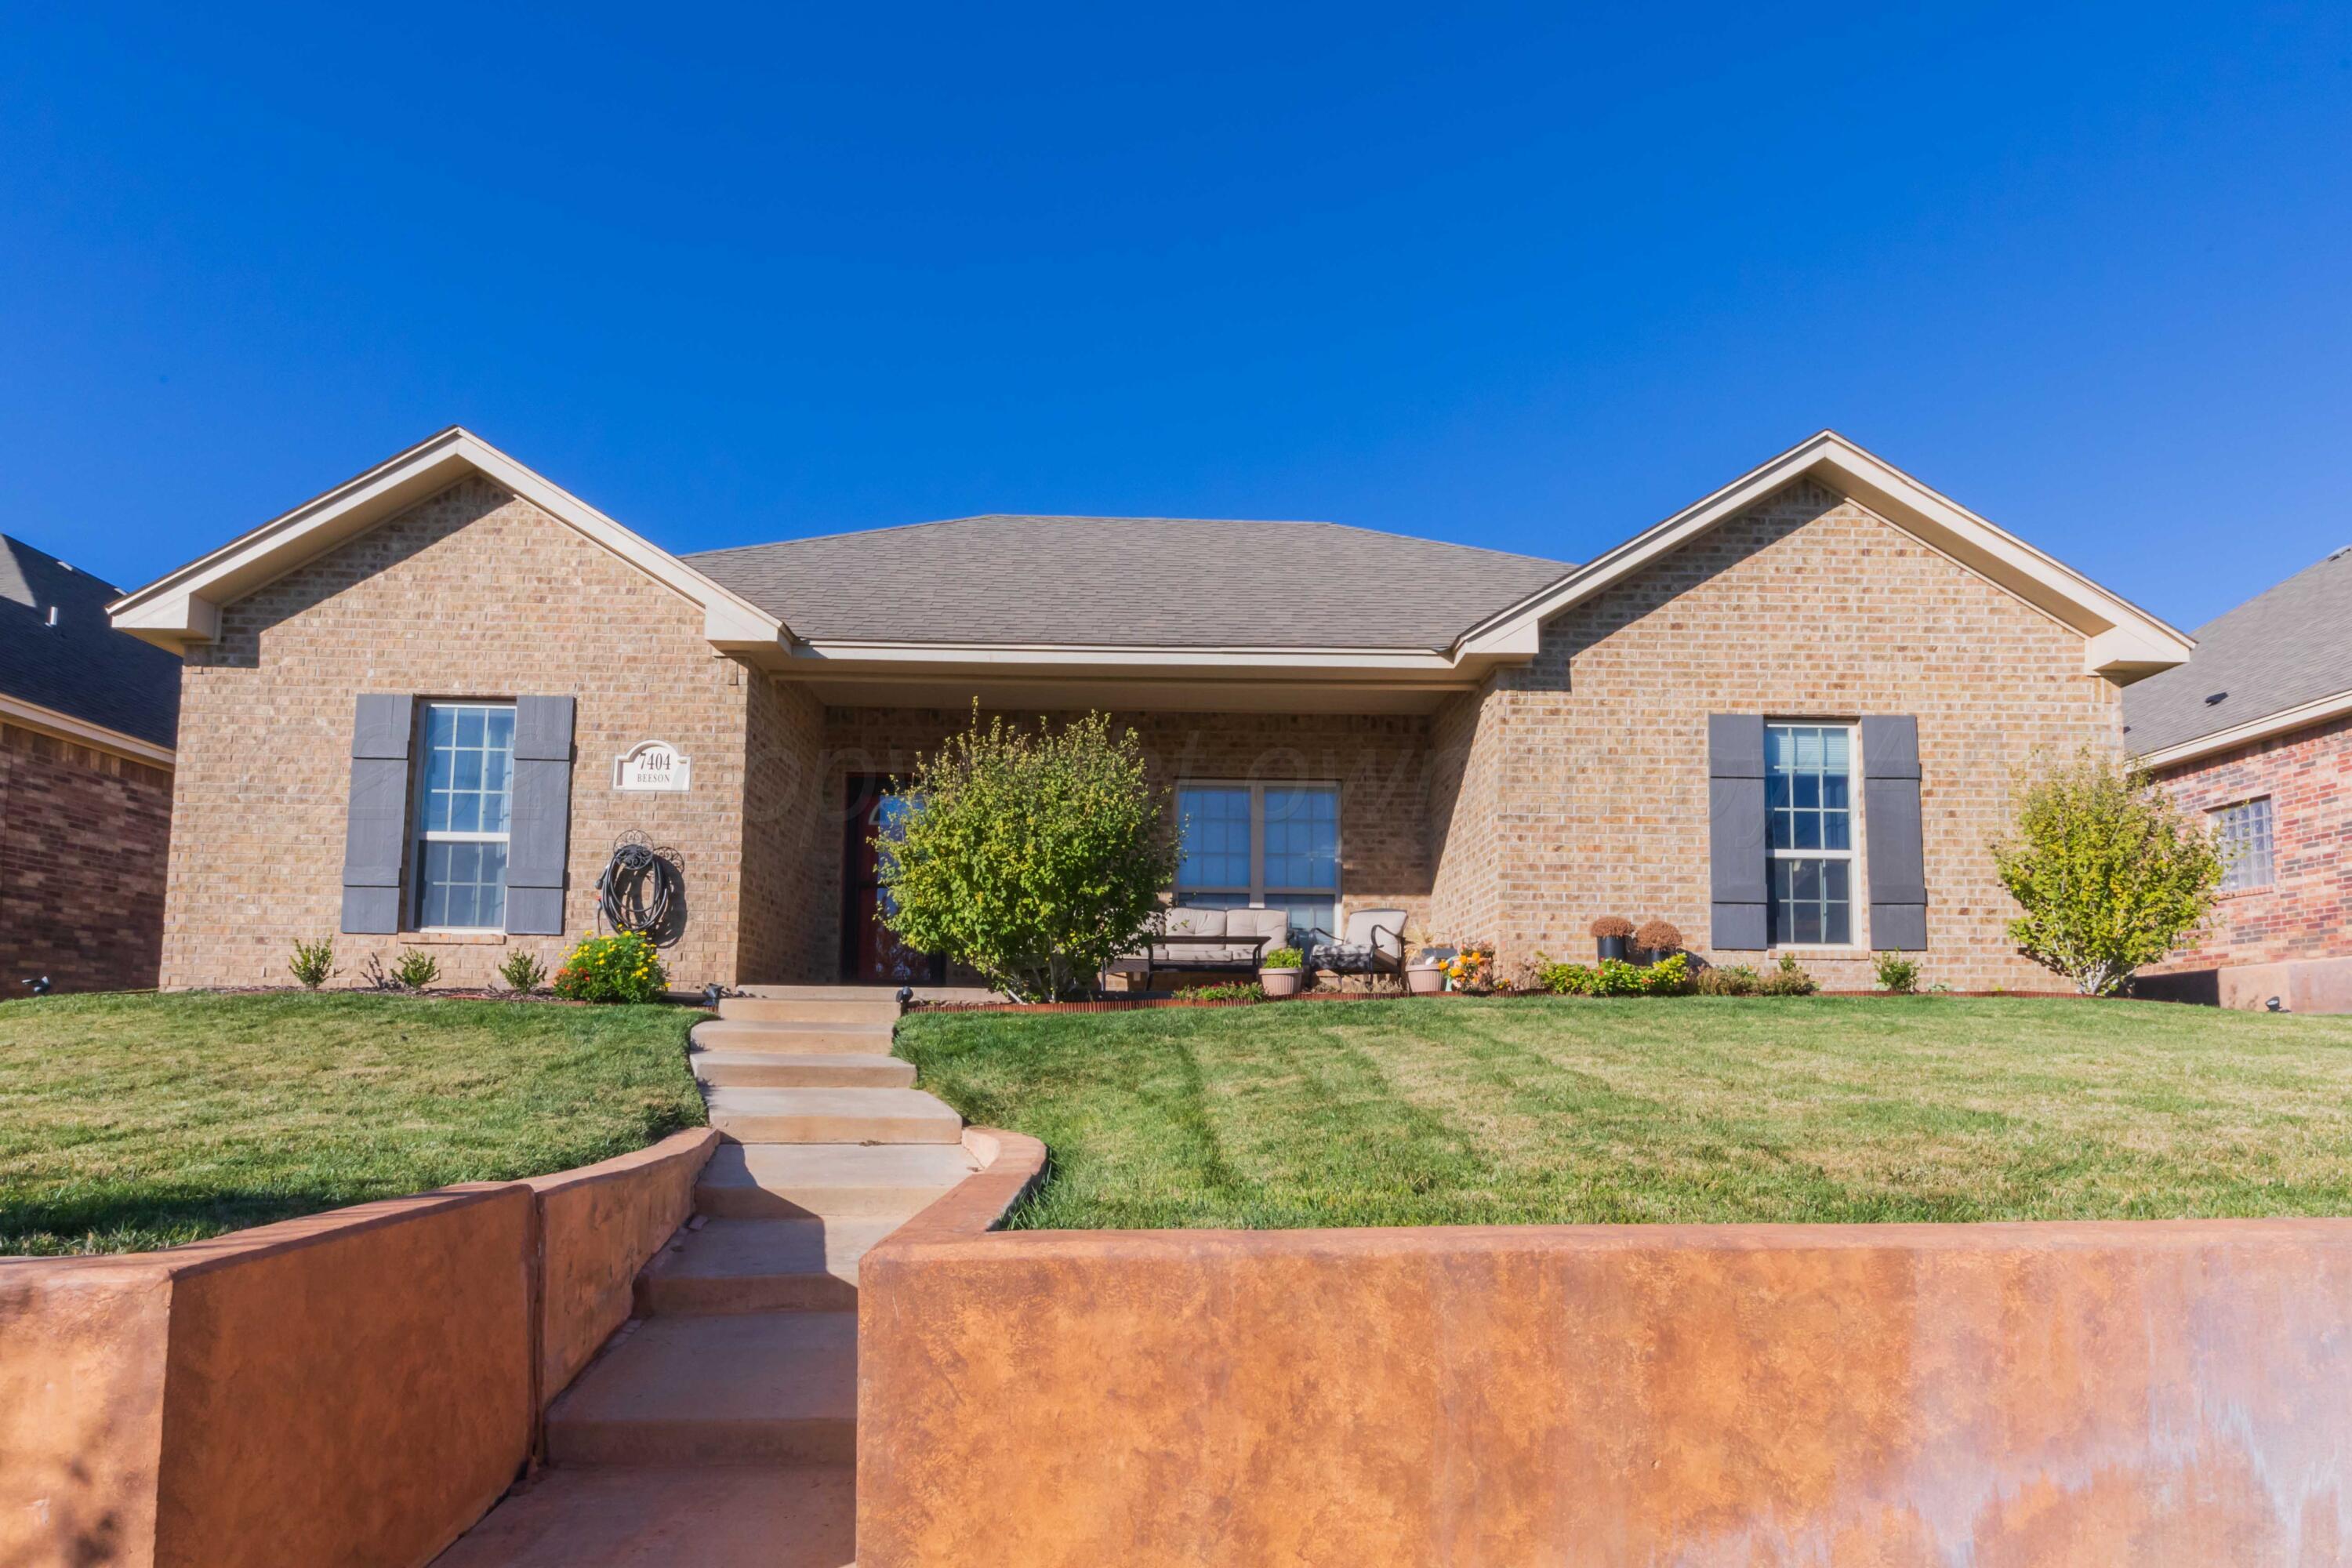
2245, 832
1808, 805
465, 792
1262, 846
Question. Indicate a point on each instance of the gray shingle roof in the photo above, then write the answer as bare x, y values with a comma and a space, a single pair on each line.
81, 666
1130, 581
2280, 650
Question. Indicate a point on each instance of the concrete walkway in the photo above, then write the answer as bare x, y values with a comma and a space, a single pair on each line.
719, 1427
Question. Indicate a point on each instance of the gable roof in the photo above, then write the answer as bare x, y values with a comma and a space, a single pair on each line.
2123, 641
81, 668
1129, 582
2279, 661
183, 607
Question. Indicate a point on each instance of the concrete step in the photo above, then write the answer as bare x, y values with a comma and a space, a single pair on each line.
736, 1517
834, 1181
831, 1116
760, 1388
774, 1069
773, 1035
881, 1008
761, 1266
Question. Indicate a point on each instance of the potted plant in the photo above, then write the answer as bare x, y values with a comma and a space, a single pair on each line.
1472, 969
1279, 973
1425, 975
1611, 932
1659, 939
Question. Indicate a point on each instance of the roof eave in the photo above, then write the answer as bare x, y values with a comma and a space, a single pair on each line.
182, 608
2302, 716
2122, 642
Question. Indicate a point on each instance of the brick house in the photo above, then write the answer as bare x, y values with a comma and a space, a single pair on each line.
2255, 733
87, 718
418, 710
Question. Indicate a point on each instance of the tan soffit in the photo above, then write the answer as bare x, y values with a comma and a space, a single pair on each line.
185, 606
2122, 641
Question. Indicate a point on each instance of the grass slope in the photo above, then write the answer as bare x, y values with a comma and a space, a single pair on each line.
141, 1121
1459, 1113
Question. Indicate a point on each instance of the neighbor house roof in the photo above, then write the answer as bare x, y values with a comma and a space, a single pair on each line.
2281, 660
79, 673
1129, 582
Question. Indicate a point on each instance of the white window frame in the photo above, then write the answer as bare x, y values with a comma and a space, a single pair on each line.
1257, 891
420, 772
1856, 904
2220, 817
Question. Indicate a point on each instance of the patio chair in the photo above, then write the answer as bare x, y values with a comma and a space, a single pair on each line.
1374, 946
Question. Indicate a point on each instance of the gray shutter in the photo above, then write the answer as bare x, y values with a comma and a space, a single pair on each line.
538, 837
375, 833
1735, 854
1891, 829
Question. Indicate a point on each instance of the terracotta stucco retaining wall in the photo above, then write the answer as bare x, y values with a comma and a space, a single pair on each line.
356, 1386
1916, 1394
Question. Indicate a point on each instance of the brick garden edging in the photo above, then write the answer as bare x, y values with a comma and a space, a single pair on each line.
1903, 1395
354, 1386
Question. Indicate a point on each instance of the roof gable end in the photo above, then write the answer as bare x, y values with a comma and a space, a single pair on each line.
2122, 641
183, 607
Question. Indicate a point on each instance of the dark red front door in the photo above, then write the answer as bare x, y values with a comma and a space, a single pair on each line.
868, 951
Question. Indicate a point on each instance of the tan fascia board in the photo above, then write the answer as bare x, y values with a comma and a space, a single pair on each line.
2299, 716
823, 658
2122, 641
183, 607
66, 727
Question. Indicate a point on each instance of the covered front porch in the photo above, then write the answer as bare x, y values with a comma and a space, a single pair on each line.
1306, 801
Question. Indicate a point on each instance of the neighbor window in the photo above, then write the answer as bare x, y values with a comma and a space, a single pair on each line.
464, 793
1273, 847
2245, 832
1808, 806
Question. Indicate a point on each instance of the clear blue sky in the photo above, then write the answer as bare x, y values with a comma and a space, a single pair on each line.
1527, 279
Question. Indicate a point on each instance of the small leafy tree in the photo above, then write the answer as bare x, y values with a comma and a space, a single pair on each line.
1033, 858
2109, 872
313, 962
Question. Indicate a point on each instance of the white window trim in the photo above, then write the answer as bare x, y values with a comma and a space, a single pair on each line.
419, 835
1856, 906
1258, 892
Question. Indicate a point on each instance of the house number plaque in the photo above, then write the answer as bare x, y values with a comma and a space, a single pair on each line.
651, 765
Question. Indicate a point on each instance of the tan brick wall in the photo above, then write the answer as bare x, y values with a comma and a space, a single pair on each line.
1381, 765
789, 924
470, 594
82, 844
2307, 911
1806, 606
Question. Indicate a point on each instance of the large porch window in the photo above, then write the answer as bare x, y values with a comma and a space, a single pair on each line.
1262, 846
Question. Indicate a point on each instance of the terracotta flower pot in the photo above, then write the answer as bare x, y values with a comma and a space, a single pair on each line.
1426, 979
1279, 982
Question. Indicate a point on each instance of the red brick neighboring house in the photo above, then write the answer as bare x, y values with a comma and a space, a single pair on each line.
2255, 733
87, 717
421, 708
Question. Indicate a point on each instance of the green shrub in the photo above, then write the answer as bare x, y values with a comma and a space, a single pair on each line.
313, 962
1223, 991
624, 967
1897, 974
2110, 873
1032, 858
415, 969
1789, 979
1284, 958
523, 973
1730, 980
1615, 977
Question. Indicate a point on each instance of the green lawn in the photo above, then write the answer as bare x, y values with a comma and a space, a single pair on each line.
140, 1120
1696, 1109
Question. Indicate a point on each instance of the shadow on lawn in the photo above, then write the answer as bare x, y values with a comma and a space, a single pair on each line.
139, 1222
